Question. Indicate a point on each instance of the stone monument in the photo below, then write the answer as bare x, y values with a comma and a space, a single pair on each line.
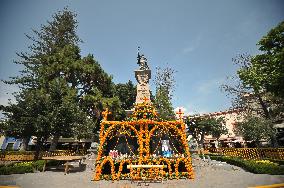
141, 133
142, 75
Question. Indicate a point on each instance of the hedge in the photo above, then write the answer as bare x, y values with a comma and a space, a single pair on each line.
254, 166
23, 167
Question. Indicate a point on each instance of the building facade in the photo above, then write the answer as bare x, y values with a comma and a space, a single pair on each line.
231, 118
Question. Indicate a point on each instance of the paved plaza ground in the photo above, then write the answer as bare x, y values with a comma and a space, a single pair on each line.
207, 176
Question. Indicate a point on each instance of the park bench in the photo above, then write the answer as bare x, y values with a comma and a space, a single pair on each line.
147, 180
69, 161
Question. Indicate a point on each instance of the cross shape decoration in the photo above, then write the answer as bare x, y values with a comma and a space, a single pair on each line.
105, 114
180, 113
145, 99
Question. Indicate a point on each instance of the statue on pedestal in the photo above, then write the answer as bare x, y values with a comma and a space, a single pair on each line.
142, 62
143, 75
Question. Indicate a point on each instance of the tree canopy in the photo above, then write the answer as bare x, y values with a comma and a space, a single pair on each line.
259, 89
260, 78
255, 129
61, 92
200, 126
267, 69
127, 95
165, 83
244, 96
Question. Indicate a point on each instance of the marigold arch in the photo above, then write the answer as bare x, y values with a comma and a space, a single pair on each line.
99, 168
121, 167
104, 136
177, 130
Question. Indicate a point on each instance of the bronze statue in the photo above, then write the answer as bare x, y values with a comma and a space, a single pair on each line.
142, 62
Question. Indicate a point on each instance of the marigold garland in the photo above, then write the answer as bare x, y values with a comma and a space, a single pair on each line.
143, 123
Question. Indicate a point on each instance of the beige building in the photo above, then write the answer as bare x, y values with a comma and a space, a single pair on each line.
231, 117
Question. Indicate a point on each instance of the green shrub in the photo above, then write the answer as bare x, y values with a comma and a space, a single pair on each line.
17, 168
257, 167
25, 167
38, 165
22, 167
280, 162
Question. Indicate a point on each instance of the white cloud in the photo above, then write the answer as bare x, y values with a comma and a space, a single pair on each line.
207, 87
195, 109
188, 49
204, 90
193, 45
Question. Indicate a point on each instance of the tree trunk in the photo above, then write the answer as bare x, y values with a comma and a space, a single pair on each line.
267, 116
217, 140
257, 144
202, 140
25, 142
38, 148
263, 106
54, 142
274, 142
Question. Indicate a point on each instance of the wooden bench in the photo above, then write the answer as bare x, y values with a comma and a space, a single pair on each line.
145, 179
67, 159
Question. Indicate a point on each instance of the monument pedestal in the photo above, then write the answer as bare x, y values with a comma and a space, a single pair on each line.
143, 88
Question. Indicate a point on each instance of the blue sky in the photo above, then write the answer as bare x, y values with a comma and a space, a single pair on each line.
196, 38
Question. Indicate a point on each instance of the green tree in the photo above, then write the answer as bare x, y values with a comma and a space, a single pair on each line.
267, 69
28, 117
53, 51
37, 113
261, 79
126, 93
246, 96
54, 67
165, 83
255, 129
253, 102
218, 127
127, 96
163, 104
200, 126
96, 89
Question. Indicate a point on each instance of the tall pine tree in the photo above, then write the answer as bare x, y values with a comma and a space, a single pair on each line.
73, 90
